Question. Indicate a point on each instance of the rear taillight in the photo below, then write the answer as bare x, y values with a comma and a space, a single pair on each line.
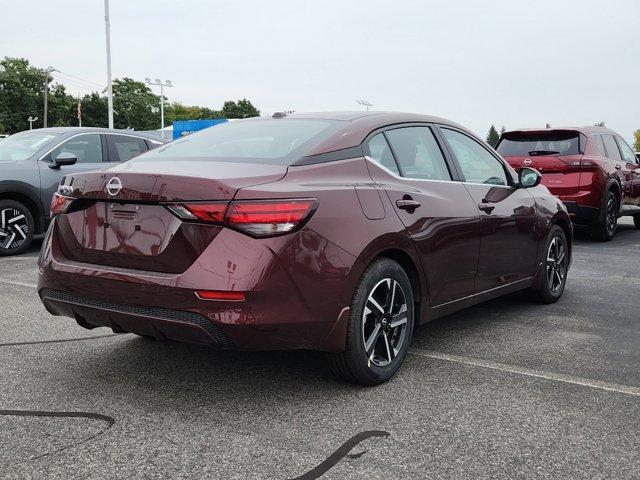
259, 218
266, 218
60, 204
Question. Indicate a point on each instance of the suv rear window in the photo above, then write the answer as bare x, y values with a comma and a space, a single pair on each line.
525, 144
274, 141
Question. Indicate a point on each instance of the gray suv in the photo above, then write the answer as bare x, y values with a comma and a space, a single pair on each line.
33, 162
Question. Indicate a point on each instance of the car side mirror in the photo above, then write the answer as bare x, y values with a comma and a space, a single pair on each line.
529, 177
64, 159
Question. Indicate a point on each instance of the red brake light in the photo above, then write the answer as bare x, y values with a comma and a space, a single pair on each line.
60, 204
220, 295
207, 212
269, 217
260, 218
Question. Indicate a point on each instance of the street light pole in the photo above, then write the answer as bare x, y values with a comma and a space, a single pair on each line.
109, 86
365, 104
31, 120
159, 83
46, 94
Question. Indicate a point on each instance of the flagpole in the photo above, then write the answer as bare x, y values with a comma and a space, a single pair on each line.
79, 111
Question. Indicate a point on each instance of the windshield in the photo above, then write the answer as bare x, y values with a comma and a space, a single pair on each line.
274, 141
523, 144
24, 144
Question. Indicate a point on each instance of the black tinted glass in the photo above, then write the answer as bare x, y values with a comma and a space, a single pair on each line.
525, 144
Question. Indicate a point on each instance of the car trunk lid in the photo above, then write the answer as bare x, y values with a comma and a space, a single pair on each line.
126, 224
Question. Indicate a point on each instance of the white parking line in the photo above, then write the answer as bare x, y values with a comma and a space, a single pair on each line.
21, 284
530, 372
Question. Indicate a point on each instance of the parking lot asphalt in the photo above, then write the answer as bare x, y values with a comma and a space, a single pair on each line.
507, 389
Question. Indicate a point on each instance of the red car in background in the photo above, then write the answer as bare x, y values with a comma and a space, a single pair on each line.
591, 169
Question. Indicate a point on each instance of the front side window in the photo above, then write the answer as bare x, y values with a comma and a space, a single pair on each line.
611, 147
418, 153
477, 164
123, 148
380, 151
87, 148
627, 154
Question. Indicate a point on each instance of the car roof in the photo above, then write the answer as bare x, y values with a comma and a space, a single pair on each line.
68, 131
359, 124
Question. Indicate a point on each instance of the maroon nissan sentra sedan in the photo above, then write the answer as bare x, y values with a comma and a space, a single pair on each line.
340, 232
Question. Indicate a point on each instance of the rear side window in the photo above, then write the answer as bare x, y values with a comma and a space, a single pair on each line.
526, 144
477, 164
418, 153
87, 148
627, 154
600, 145
123, 148
611, 147
379, 151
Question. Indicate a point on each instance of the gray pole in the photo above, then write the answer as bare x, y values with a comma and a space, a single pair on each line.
46, 100
159, 83
109, 86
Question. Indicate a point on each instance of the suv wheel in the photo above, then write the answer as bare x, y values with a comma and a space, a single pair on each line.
380, 326
556, 265
16, 227
605, 226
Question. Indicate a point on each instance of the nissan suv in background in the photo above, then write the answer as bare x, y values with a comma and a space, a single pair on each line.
591, 169
33, 162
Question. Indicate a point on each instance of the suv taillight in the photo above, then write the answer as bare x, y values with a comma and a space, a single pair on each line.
258, 218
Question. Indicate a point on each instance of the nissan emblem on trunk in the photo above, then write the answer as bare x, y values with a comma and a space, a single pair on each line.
527, 162
114, 186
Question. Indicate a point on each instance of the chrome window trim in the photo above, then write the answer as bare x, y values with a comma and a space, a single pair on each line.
370, 159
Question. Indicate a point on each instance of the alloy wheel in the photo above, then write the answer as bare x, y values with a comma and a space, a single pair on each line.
612, 216
14, 228
384, 322
556, 265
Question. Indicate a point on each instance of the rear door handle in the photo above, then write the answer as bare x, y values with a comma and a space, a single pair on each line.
618, 167
407, 204
486, 207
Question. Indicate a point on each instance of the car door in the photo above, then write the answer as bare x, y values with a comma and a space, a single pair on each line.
87, 147
436, 210
508, 243
124, 147
631, 174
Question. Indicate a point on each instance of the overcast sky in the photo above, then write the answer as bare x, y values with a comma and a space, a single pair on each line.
512, 63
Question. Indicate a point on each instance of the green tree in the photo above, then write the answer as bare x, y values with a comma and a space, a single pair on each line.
178, 111
502, 130
21, 94
94, 111
493, 136
240, 109
135, 106
636, 143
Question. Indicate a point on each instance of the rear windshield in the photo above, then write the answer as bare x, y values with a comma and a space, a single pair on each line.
525, 144
274, 141
24, 144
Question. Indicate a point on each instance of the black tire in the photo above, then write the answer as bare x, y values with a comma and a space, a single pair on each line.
375, 325
16, 228
548, 289
636, 221
604, 228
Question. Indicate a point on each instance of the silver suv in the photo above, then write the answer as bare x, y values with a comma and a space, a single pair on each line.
33, 162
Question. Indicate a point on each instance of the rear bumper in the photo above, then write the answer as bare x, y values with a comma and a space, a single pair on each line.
160, 323
296, 289
581, 213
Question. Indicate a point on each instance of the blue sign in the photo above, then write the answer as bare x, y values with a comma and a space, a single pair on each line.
187, 127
